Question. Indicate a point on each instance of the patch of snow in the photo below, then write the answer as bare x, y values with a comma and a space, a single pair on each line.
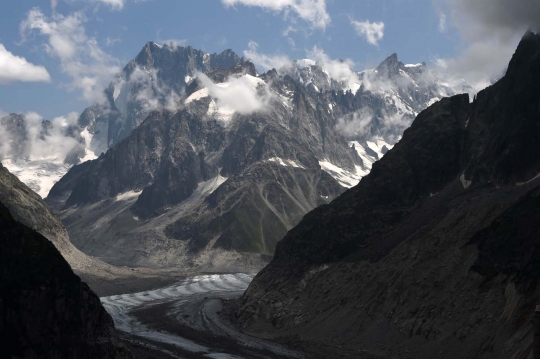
376, 146
355, 87
208, 187
116, 92
464, 182
128, 195
345, 178
188, 79
432, 101
197, 95
285, 163
254, 81
39, 175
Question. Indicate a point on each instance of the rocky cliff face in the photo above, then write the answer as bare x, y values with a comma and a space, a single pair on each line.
432, 254
45, 309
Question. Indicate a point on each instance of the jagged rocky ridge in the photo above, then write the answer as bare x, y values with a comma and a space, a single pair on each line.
211, 175
45, 309
40, 152
155, 78
434, 253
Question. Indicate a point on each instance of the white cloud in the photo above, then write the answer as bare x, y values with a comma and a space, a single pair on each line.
313, 11
442, 23
340, 70
81, 58
174, 43
373, 32
357, 124
240, 94
50, 143
491, 31
112, 41
115, 4
266, 62
151, 94
14, 68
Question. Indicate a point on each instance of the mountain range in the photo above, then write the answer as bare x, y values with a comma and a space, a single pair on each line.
205, 163
434, 253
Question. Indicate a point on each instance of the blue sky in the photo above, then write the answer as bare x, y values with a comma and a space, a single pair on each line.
50, 75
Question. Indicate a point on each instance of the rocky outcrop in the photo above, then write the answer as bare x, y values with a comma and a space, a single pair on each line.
45, 309
433, 253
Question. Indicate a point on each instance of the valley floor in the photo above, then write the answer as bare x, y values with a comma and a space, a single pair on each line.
188, 320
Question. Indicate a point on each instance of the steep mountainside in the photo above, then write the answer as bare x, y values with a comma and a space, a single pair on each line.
45, 309
28, 208
433, 254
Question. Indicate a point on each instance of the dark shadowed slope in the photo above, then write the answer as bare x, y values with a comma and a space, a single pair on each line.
45, 309
433, 254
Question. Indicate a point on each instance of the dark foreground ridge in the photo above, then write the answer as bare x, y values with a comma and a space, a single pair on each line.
45, 309
435, 253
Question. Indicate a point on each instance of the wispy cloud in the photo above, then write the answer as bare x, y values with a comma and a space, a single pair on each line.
39, 142
237, 94
14, 68
373, 32
312, 11
115, 4
266, 62
81, 58
340, 70
442, 23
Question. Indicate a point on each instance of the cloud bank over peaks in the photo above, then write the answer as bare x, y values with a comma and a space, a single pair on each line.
312, 11
14, 68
